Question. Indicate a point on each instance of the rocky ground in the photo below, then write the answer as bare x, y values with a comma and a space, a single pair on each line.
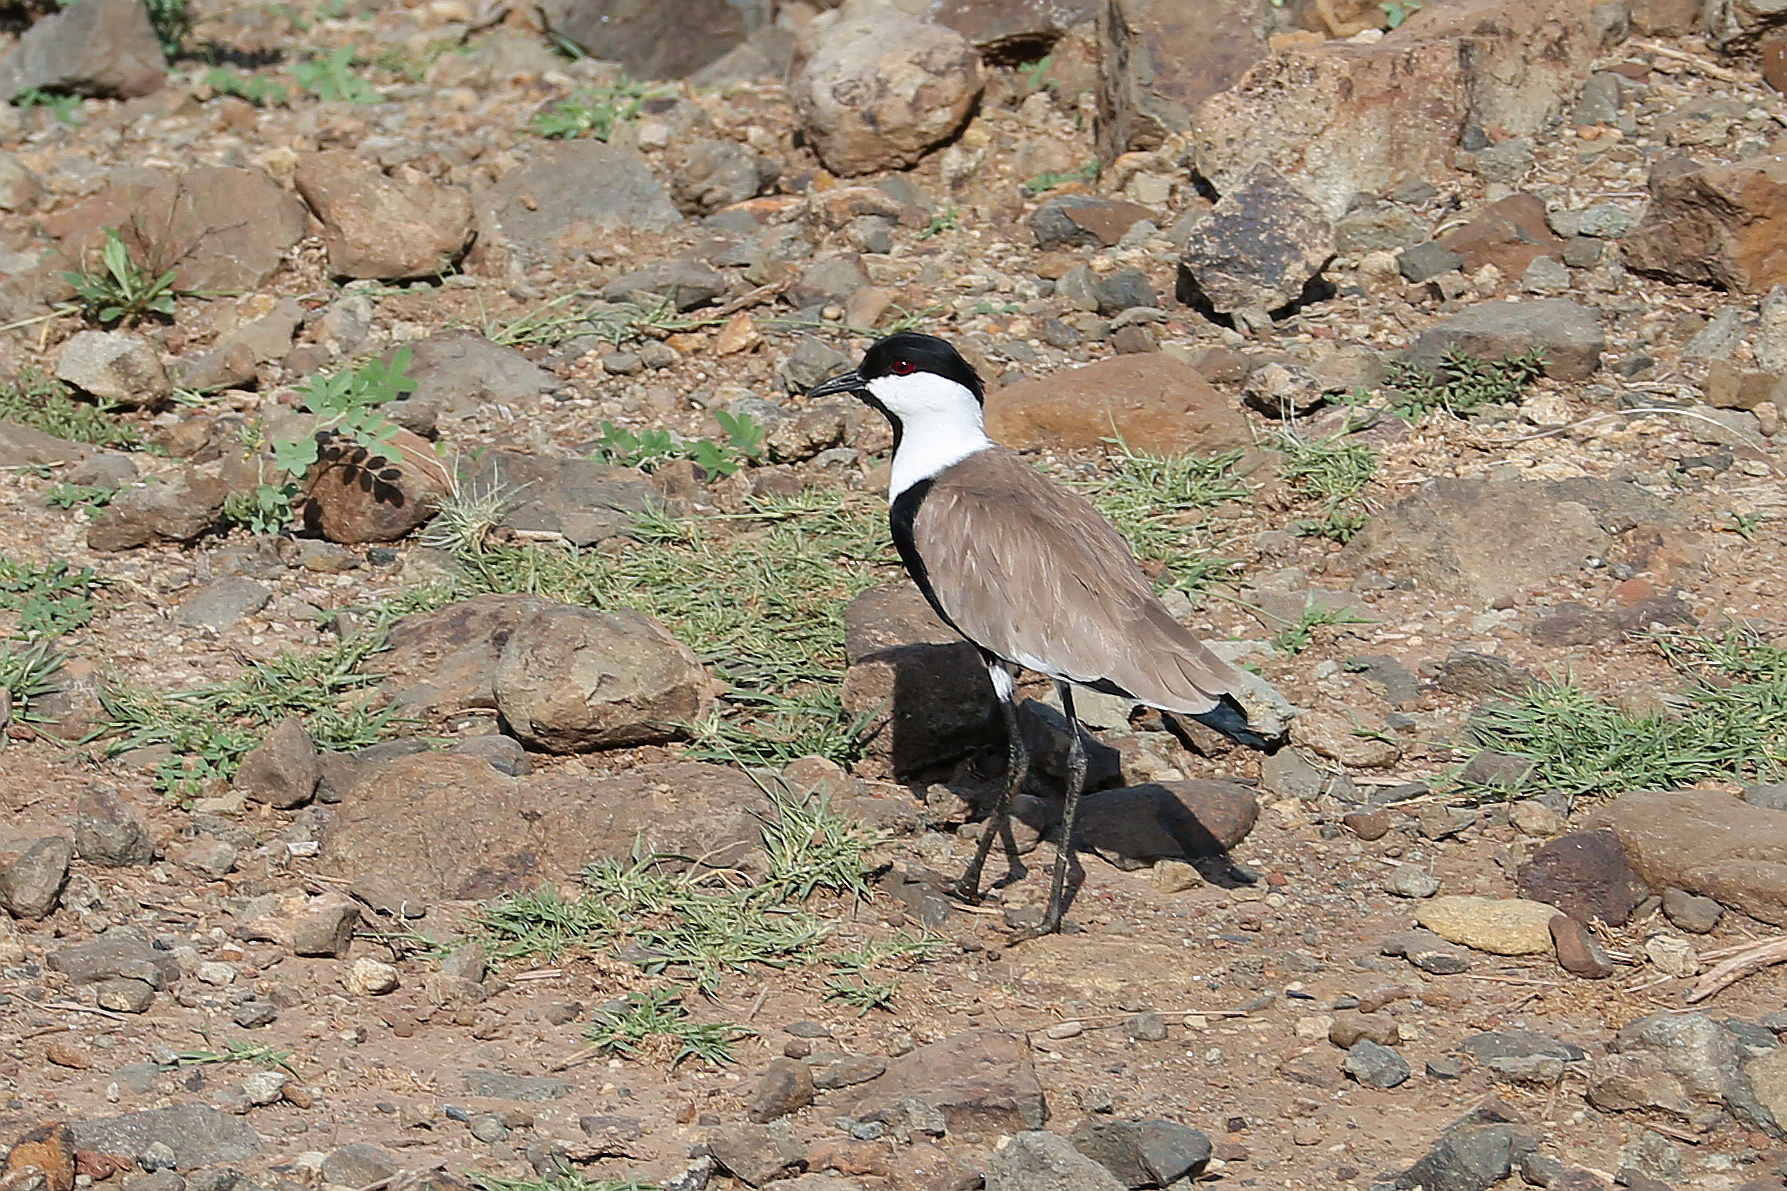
411, 500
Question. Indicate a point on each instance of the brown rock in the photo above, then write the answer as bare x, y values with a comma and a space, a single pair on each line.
108, 830
101, 47
981, 1080
1152, 402
1773, 54
1705, 842
325, 926
1349, 1028
1069, 220
926, 688
756, 1153
1669, 18
1724, 225
1578, 951
192, 223
391, 227
31, 886
353, 495
1167, 820
1260, 245
446, 659
445, 825
1334, 735
922, 1166
49, 1148
176, 509
785, 1087
282, 770
1159, 59
1509, 234
650, 41
572, 679
1586, 875
1367, 825
569, 198
881, 91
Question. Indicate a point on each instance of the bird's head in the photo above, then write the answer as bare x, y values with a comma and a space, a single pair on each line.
912, 378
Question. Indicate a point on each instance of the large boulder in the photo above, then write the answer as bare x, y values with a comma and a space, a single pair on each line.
1151, 401
882, 91
1568, 335
1259, 246
572, 679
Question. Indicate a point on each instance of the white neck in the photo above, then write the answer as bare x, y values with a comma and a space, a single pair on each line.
940, 425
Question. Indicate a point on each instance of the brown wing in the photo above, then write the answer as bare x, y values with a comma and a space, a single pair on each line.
1035, 574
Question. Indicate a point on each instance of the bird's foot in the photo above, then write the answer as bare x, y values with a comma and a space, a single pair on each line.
1030, 922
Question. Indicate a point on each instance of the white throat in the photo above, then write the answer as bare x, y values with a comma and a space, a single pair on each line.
940, 425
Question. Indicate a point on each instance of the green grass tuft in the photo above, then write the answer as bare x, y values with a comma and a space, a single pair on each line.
656, 1020
1732, 726
1463, 383
1334, 472
1161, 504
566, 1178
44, 404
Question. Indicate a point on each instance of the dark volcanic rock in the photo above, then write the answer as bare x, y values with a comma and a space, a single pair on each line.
1586, 875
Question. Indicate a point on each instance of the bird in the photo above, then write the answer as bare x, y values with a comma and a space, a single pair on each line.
1029, 573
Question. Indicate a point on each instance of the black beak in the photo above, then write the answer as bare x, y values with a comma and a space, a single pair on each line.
843, 382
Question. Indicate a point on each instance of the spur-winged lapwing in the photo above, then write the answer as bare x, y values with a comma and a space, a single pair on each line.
1029, 572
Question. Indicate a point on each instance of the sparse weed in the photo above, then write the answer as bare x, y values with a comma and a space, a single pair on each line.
657, 1021
1050, 179
1160, 504
764, 728
27, 674
1293, 639
949, 220
122, 290
1733, 726
589, 111
855, 984
50, 600
349, 403
1335, 472
47, 405
1463, 383
861, 993
62, 105
578, 316
565, 1178
652, 446
331, 78
469, 515
1745, 525
265, 510
171, 22
232, 1051
84, 496
257, 89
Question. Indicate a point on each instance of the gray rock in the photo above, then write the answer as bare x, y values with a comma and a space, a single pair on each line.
1482, 675
123, 995
1036, 1161
325, 926
1151, 1153
1083, 221
460, 374
568, 196
1509, 161
849, 1071
92, 47
1262, 242
685, 284
1599, 102
1568, 334
109, 831
1503, 1044
717, 173
115, 366
785, 1087
1189, 820
881, 91
652, 43
223, 603
980, 1081
532, 1089
1375, 1066
233, 360
1652, 1156
504, 753
1700, 1063
1605, 221
31, 885
118, 954
829, 280
1408, 880
1123, 289
1377, 228
547, 690
756, 1153
1546, 275
1428, 952
586, 501
358, 1164
811, 361
1690, 911
282, 770
1467, 1158
197, 1136
1426, 261
1772, 797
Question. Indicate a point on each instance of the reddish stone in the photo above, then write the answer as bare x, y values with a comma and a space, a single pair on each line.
1510, 235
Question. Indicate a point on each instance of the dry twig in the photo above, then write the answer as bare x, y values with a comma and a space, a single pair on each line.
1740, 964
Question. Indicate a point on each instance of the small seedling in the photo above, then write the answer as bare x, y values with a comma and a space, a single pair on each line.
27, 674
1463, 383
331, 79
1293, 639
1050, 179
84, 496
122, 290
654, 446
63, 106
1032, 72
1397, 11
349, 404
589, 111
950, 220
656, 1021
1745, 525
264, 511
47, 405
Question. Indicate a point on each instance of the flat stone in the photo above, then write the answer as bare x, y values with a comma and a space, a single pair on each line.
1151, 401
1467, 1158
102, 47
1187, 820
786, 1086
198, 1136
115, 366
1578, 951
1691, 912
1706, 843
1036, 1161
1374, 1065
1500, 926
756, 1153
653, 44
1568, 336
356, 496
1585, 874
980, 1081
530, 1089
1261, 243
1082, 220
110, 831
565, 201
223, 603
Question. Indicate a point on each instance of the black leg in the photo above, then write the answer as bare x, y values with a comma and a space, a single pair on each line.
1017, 766
1064, 850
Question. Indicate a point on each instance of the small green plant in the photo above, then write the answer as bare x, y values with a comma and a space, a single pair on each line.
658, 1021
589, 111
861, 993
1397, 11
1745, 525
1293, 639
171, 22
1050, 179
232, 1051
1462, 384
264, 511
652, 446
257, 89
331, 79
1032, 72
62, 105
1161, 504
27, 674
565, 1178
50, 600
84, 496
468, 516
1731, 725
45, 404
349, 403
856, 986
1335, 472
949, 220
122, 290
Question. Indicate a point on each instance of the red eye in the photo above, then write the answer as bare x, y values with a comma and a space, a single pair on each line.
902, 367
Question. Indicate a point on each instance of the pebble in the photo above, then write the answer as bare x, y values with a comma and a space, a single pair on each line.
367, 977
1578, 951
489, 1127
1367, 825
1375, 1065
1691, 912
1408, 880
1064, 1029
1671, 955
1146, 1027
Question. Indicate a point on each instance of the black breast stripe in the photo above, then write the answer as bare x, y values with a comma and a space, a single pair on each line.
900, 515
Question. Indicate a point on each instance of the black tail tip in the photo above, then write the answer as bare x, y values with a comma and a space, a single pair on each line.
1230, 718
